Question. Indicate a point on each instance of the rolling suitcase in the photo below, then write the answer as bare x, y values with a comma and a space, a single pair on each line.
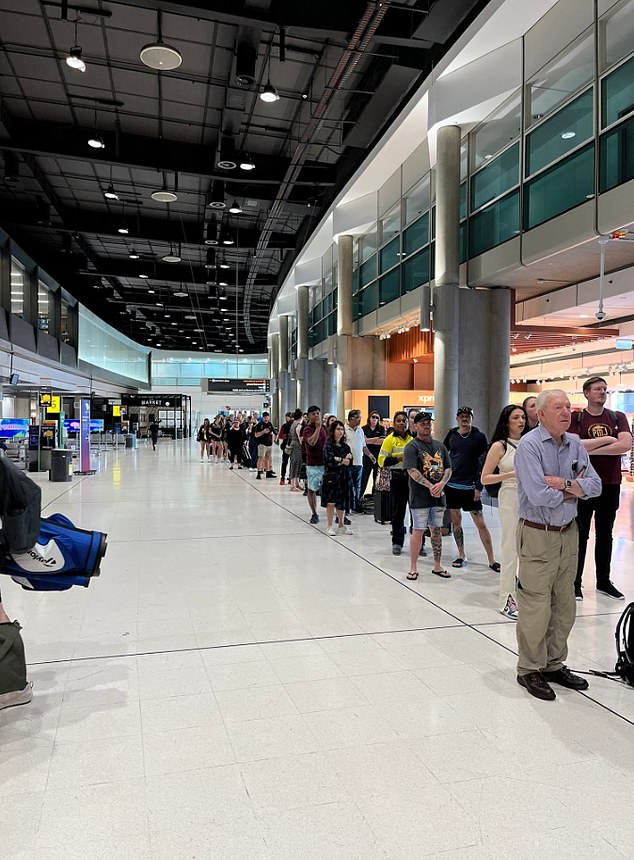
382, 507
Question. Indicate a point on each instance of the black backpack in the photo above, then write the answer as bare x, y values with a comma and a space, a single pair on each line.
624, 635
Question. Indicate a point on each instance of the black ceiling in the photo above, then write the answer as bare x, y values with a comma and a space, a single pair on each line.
341, 68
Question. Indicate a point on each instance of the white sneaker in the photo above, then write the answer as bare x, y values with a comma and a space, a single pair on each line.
332, 531
346, 530
17, 697
510, 610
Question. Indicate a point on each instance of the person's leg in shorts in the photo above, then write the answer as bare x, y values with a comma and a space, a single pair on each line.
314, 474
454, 504
421, 519
261, 459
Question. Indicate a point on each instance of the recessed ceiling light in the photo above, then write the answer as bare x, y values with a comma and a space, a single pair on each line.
223, 298
151, 292
161, 57
159, 304
568, 135
190, 317
180, 295
584, 316
172, 257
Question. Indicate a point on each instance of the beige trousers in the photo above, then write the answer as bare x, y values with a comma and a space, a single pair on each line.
545, 596
507, 509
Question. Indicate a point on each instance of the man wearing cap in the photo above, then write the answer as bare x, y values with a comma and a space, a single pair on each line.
606, 437
429, 468
467, 447
553, 471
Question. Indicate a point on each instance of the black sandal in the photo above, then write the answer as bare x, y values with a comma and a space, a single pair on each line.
495, 567
459, 562
413, 574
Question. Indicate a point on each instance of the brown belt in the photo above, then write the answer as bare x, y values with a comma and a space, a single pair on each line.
544, 528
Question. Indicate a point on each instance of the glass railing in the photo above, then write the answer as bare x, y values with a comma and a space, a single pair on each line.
566, 185
494, 180
616, 160
495, 224
560, 134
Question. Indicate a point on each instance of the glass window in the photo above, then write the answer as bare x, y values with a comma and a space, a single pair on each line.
368, 272
499, 175
618, 33
496, 224
390, 287
564, 131
561, 188
42, 307
617, 156
17, 288
617, 94
496, 132
390, 255
367, 246
463, 201
564, 76
417, 235
369, 299
463, 242
390, 224
416, 271
417, 200
356, 306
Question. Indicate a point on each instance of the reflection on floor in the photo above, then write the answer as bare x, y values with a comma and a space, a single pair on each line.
239, 685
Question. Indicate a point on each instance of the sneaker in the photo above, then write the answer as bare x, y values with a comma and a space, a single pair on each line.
346, 521
258, 477
610, 591
252, 469
510, 610
231, 466
346, 530
314, 520
17, 697
282, 482
239, 467
271, 475
396, 549
331, 530
578, 593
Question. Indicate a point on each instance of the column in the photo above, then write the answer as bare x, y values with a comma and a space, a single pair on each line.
344, 320
499, 352
274, 352
302, 348
282, 375
445, 294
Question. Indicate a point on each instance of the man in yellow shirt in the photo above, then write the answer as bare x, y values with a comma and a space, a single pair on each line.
391, 457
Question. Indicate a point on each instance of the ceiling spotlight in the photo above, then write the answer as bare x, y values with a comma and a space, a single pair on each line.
235, 208
74, 60
227, 239
223, 298
247, 163
159, 56
123, 229
190, 317
151, 292
110, 193
144, 276
568, 135
173, 256
224, 264
210, 262
269, 94
95, 141
134, 255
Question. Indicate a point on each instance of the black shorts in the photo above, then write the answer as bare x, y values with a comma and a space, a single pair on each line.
461, 499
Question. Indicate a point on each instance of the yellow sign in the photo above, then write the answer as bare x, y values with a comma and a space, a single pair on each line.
56, 404
45, 399
116, 410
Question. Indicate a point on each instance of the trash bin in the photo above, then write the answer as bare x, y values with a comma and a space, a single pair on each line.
179, 432
130, 441
61, 465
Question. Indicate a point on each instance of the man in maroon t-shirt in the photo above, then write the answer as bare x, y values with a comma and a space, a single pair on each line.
606, 437
313, 441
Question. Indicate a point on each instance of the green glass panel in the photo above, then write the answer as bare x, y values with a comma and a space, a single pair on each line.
356, 306
617, 91
369, 298
495, 224
390, 287
617, 156
566, 185
559, 134
416, 271
463, 242
499, 175
368, 272
417, 235
463, 201
432, 261
355, 281
389, 256
332, 324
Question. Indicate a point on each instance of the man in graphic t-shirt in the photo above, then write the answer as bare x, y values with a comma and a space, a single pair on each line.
265, 433
429, 468
606, 437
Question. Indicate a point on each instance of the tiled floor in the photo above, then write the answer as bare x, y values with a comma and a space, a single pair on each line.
239, 685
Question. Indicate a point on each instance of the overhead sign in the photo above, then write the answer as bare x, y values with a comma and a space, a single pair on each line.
45, 398
217, 384
116, 410
56, 404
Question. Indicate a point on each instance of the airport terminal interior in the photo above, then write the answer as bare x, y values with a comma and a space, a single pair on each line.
221, 209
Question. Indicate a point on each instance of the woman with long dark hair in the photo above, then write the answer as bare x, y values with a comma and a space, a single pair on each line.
499, 469
204, 437
337, 491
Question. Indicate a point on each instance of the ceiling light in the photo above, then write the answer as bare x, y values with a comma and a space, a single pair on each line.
235, 208
123, 230
228, 239
160, 57
190, 317
164, 196
95, 141
173, 256
180, 294
246, 163
223, 284
226, 159
151, 292
568, 135
74, 59
110, 193
133, 255
223, 298
159, 304
144, 276
224, 264
269, 94
211, 235
584, 316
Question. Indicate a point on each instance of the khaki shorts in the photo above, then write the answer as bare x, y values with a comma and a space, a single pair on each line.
263, 450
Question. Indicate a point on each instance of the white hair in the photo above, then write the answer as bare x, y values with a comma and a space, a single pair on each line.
544, 396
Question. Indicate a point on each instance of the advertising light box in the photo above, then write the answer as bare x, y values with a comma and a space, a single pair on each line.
14, 428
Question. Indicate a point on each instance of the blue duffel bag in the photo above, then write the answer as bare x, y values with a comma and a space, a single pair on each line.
62, 556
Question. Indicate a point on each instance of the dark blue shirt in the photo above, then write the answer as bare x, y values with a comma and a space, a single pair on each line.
466, 454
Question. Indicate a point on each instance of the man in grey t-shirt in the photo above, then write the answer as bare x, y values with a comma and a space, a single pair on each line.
429, 468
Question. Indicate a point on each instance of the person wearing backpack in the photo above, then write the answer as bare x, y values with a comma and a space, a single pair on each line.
14, 687
606, 437
498, 476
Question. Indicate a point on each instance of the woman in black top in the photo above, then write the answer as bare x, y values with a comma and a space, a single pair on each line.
235, 440
216, 438
374, 433
337, 491
204, 437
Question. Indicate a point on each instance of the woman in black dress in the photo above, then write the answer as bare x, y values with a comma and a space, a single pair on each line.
337, 491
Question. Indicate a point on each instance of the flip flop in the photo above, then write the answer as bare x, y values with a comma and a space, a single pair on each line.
413, 574
443, 574
459, 562
495, 567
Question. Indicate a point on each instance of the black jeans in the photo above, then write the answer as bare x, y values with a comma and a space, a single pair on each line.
285, 457
399, 494
604, 508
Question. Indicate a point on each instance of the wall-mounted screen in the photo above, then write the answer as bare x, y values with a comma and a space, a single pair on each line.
71, 425
14, 428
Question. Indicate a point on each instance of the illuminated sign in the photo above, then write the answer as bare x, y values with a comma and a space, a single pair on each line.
56, 403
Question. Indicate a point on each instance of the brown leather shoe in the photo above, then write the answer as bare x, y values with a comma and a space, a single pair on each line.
565, 678
537, 686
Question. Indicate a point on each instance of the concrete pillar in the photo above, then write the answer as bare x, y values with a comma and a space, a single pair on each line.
447, 269
344, 319
274, 357
302, 348
499, 353
329, 399
282, 368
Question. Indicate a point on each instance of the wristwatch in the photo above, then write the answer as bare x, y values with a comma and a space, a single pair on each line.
567, 484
